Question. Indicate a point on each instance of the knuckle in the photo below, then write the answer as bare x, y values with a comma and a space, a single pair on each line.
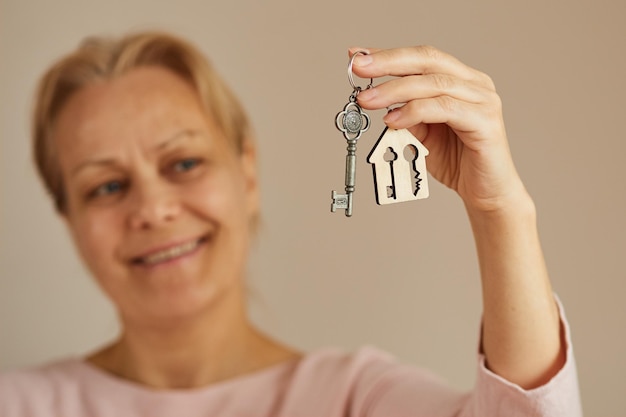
487, 81
442, 82
494, 101
496, 108
447, 104
429, 52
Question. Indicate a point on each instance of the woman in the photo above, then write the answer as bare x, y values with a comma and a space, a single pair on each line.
149, 159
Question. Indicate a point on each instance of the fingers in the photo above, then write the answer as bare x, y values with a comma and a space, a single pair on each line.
469, 121
433, 87
435, 98
418, 60
402, 90
441, 109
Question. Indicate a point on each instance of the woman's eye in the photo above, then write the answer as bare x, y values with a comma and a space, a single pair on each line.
108, 188
185, 165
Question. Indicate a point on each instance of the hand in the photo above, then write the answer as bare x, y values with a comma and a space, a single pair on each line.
456, 113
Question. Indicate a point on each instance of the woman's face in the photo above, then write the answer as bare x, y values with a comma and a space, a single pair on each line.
158, 202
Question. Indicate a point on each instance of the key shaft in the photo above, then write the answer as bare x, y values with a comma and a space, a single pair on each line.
344, 201
350, 173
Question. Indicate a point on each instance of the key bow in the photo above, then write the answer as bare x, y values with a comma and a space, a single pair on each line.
352, 121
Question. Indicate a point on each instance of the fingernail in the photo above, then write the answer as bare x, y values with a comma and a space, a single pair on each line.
368, 94
392, 116
354, 49
363, 60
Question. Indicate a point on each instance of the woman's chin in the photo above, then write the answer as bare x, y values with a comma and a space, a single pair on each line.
175, 305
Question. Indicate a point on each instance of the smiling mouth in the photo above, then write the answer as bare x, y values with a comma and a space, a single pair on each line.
169, 254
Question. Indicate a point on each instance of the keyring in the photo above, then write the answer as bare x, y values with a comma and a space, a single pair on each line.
350, 77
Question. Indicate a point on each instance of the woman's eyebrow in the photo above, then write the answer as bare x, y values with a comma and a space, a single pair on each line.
92, 162
170, 141
183, 134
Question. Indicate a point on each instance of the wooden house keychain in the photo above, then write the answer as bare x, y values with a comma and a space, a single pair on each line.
399, 163
398, 159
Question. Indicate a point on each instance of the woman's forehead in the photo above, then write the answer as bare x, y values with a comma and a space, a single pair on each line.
144, 90
146, 104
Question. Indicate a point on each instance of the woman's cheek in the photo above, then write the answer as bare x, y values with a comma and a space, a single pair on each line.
215, 195
96, 235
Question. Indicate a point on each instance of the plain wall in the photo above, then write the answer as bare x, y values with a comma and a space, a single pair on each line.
401, 277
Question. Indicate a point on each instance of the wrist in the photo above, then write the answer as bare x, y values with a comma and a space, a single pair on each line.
516, 218
515, 205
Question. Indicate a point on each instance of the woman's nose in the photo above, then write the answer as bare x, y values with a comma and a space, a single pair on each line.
154, 204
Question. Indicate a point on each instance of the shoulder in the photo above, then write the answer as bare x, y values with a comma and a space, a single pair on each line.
366, 364
351, 380
53, 373
35, 388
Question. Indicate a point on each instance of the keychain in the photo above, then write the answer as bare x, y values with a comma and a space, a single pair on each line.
398, 158
399, 165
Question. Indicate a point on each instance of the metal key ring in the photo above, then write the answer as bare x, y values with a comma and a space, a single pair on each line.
350, 76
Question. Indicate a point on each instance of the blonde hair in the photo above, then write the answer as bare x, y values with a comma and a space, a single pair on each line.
98, 59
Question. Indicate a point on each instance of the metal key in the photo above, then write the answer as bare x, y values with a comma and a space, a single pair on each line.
352, 121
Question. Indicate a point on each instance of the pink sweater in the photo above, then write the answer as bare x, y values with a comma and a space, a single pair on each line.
323, 383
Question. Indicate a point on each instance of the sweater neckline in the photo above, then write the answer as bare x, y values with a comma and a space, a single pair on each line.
258, 377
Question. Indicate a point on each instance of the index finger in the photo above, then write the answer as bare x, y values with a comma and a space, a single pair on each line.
416, 60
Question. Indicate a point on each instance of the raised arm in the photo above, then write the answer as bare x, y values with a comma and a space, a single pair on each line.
455, 111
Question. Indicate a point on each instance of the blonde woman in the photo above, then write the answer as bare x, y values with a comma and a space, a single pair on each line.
149, 160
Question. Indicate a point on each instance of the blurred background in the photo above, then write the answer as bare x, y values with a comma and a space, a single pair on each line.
403, 277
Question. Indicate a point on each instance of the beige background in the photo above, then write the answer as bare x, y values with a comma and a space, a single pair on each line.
401, 277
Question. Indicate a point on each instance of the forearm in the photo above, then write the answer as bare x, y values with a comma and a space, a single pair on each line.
521, 330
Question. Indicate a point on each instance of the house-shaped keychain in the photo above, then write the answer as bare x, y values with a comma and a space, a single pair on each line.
399, 163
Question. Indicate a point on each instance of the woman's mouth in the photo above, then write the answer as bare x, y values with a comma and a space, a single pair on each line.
169, 254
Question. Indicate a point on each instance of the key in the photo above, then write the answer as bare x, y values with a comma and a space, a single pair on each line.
352, 121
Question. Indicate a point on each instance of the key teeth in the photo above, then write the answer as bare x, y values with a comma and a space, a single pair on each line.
417, 183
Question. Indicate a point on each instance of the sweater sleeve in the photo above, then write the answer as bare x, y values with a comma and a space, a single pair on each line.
560, 396
406, 391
